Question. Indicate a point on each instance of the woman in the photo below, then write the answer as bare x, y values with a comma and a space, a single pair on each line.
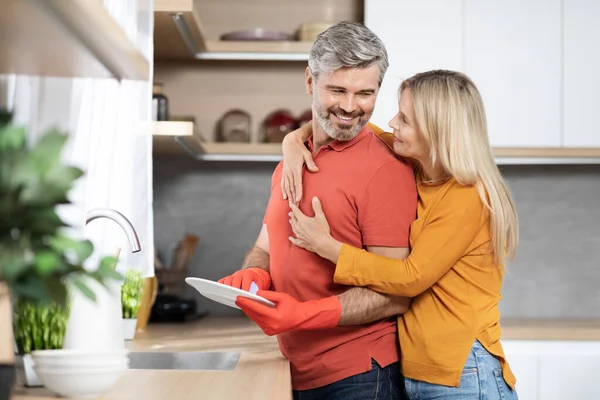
466, 226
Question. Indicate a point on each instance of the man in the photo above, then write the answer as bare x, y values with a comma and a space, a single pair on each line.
339, 340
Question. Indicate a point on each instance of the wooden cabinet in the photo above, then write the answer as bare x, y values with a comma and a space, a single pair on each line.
415, 43
513, 54
581, 73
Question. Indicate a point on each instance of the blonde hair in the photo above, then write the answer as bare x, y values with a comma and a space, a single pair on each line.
450, 115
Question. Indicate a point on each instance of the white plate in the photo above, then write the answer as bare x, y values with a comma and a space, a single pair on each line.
223, 294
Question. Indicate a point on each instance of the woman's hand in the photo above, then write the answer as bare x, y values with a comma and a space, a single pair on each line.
313, 234
295, 155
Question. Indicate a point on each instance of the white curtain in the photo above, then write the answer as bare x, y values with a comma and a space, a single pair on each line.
104, 119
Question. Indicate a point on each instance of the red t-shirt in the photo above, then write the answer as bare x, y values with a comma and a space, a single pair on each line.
369, 198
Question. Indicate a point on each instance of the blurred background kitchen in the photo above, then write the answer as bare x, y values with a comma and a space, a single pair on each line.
222, 82
176, 110
534, 61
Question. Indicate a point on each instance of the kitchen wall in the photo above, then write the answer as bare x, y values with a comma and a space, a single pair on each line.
555, 274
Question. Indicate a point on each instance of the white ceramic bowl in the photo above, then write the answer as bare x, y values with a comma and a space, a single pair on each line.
78, 357
65, 354
121, 362
80, 383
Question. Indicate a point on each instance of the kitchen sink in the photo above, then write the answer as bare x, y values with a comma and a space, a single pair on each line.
184, 360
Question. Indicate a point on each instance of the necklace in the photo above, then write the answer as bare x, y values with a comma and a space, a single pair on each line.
443, 178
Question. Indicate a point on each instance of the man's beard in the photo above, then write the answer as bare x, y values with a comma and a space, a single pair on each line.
333, 129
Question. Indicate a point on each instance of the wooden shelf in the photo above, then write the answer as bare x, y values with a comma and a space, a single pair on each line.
180, 138
206, 151
172, 128
167, 134
174, 22
243, 149
265, 51
76, 38
179, 35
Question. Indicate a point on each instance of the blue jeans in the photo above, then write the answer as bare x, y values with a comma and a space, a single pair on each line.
377, 384
481, 380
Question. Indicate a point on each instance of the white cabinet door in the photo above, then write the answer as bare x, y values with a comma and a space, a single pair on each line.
419, 36
526, 370
524, 362
581, 73
569, 375
513, 54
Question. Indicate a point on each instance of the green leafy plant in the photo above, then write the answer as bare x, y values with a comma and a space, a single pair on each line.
131, 293
39, 326
38, 260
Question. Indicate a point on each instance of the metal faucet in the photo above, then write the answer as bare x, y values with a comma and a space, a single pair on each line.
120, 219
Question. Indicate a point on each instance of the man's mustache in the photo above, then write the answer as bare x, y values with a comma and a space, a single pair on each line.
339, 112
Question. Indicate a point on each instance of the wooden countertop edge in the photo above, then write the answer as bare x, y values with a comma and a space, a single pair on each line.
550, 329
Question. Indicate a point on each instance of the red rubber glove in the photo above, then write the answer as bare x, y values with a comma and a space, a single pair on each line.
243, 278
291, 314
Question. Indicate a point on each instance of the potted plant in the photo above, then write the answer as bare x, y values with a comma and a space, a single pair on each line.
38, 260
131, 293
36, 326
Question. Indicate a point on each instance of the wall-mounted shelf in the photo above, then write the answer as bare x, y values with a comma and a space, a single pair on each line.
257, 152
76, 38
178, 31
260, 51
180, 138
179, 35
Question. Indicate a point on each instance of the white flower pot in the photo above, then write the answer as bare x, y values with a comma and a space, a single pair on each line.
94, 325
26, 375
129, 325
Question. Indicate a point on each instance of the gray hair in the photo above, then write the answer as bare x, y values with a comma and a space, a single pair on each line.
347, 44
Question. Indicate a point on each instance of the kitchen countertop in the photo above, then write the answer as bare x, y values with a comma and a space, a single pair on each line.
550, 329
262, 372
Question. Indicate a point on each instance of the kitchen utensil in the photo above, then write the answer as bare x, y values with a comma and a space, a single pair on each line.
157, 263
160, 103
278, 124
257, 34
171, 281
148, 297
235, 126
172, 308
184, 252
223, 294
